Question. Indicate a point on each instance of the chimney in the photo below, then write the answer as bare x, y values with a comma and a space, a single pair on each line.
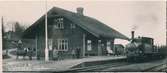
80, 10
133, 34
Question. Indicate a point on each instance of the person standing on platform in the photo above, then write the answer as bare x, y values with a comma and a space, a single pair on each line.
78, 53
55, 54
73, 53
30, 53
19, 50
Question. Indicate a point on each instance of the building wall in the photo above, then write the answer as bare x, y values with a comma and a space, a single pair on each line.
75, 40
74, 36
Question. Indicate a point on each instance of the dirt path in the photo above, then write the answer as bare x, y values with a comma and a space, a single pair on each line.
13, 57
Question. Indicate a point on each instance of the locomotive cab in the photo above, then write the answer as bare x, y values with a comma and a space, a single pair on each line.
143, 49
139, 47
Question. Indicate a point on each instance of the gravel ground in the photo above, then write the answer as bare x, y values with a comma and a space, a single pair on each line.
26, 72
36, 65
86, 72
27, 65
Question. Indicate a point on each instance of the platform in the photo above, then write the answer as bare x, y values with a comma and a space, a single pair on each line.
63, 65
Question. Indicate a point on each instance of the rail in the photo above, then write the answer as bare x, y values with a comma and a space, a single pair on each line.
96, 67
160, 67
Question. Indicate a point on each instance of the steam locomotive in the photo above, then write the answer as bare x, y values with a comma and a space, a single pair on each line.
142, 48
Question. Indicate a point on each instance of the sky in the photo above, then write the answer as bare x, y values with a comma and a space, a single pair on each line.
147, 18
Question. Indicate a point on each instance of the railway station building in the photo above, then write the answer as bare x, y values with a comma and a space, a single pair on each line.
70, 33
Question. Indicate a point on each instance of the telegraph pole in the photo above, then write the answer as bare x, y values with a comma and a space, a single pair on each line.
1, 32
46, 35
2, 27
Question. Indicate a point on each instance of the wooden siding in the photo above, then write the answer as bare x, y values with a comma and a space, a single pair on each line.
75, 39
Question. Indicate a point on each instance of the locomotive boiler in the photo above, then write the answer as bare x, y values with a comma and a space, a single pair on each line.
142, 48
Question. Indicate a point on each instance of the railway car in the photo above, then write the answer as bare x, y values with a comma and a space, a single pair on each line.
142, 48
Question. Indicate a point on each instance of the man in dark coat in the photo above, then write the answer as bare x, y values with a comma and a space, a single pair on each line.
78, 53
20, 51
30, 53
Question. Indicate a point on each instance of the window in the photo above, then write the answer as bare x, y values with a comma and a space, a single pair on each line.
109, 50
62, 44
58, 23
72, 26
108, 45
89, 46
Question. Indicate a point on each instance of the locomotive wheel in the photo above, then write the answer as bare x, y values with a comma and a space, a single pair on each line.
135, 59
129, 60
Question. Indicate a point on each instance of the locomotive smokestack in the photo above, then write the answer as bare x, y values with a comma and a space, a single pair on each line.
133, 34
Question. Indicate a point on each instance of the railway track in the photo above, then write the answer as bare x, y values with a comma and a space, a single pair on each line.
120, 63
100, 67
162, 67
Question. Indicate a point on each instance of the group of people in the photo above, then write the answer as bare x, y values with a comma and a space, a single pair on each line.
60, 55
76, 53
22, 51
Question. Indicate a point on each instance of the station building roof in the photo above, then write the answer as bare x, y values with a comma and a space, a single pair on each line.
89, 24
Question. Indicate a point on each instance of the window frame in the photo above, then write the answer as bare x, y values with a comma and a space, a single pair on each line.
58, 23
62, 45
72, 26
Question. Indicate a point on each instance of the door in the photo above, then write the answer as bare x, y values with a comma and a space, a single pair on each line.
50, 47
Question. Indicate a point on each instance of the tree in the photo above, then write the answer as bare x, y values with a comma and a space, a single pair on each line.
19, 29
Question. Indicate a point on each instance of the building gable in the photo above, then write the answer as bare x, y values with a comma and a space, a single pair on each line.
89, 24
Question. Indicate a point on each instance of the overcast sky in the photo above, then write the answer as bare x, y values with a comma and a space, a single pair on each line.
149, 18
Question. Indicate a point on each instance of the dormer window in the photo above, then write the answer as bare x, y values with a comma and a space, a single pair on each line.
58, 23
72, 26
